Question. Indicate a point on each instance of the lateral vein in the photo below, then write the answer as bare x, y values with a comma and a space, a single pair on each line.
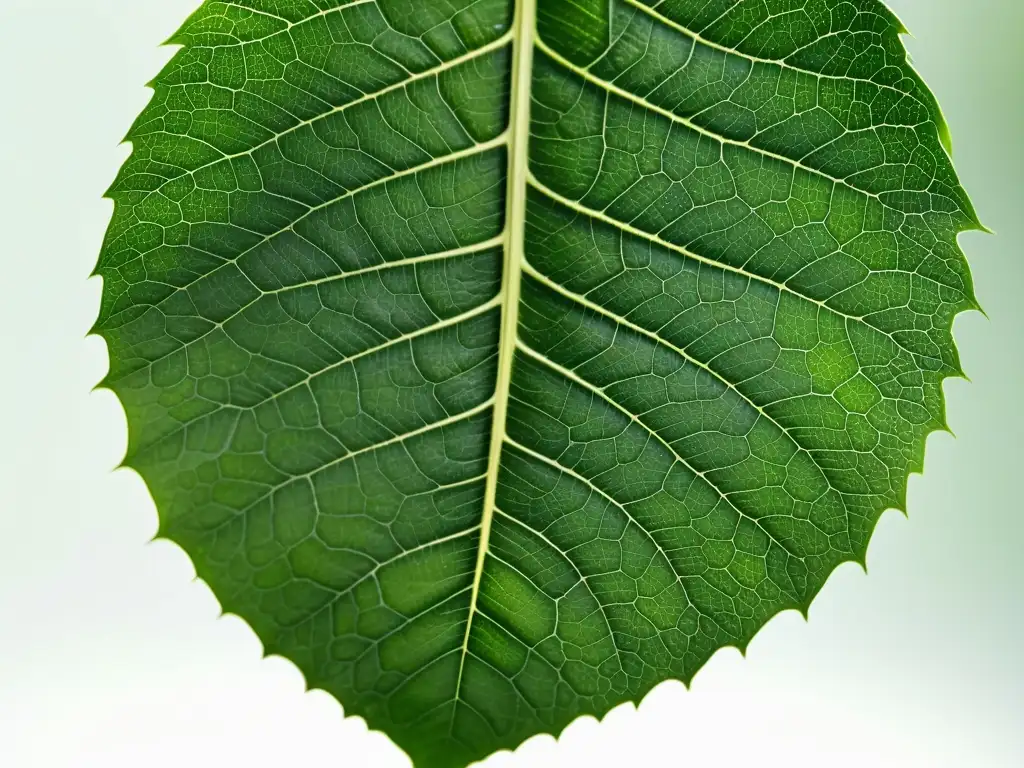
643, 103
651, 432
660, 18
368, 96
591, 213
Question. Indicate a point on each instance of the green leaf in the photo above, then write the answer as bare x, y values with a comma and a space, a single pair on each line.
498, 361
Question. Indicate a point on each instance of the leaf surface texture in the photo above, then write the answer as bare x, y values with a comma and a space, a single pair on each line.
498, 361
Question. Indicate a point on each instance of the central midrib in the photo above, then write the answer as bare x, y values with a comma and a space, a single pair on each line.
524, 26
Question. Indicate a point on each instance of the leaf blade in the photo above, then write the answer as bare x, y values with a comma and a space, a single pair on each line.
477, 492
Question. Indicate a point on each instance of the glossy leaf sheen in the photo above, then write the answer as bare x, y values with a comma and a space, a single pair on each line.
496, 363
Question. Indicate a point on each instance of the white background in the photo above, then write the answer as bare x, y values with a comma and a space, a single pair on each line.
112, 655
